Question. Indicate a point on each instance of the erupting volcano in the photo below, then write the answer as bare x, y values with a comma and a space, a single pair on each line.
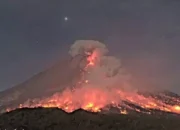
99, 83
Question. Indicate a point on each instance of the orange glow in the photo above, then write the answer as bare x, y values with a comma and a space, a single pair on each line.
91, 59
95, 99
124, 112
177, 108
86, 81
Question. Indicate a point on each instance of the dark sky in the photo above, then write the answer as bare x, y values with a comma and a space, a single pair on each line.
145, 34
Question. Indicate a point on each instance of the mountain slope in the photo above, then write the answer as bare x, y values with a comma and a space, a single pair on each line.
46, 83
90, 80
56, 119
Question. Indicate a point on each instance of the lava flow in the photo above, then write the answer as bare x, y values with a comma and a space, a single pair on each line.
103, 83
96, 99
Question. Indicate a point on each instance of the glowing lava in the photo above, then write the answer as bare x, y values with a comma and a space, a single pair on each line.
95, 99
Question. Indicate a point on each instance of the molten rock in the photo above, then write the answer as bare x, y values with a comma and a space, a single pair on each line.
92, 81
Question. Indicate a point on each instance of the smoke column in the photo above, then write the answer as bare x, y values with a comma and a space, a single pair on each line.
104, 71
103, 82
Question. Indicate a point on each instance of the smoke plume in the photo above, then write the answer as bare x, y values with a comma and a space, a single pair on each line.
82, 47
104, 71
103, 81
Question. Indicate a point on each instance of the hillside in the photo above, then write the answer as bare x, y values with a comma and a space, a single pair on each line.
91, 80
56, 119
45, 83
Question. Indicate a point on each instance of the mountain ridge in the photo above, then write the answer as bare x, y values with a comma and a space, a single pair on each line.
54, 118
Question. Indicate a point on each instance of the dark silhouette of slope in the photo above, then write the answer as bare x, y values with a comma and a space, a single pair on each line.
56, 119
65, 73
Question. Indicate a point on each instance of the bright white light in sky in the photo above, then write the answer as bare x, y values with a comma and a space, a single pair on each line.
66, 18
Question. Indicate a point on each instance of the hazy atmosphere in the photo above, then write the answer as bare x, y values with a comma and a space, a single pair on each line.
144, 34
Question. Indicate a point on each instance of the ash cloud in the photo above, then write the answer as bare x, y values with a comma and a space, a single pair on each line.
81, 47
107, 71
108, 84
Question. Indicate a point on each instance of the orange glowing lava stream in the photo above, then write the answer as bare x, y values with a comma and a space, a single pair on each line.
95, 99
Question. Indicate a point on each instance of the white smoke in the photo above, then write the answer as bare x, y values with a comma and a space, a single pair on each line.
107, 71
81, 47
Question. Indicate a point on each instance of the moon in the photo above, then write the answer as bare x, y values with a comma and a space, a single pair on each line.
66, 18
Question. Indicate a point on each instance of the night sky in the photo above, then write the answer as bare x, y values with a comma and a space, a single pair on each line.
145, 34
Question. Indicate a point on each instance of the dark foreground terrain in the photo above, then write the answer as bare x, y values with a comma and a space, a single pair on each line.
56, 119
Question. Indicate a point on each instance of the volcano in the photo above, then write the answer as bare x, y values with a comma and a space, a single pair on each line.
91, 80
43, 84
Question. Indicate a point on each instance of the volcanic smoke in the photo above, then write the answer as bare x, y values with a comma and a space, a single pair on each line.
103, 82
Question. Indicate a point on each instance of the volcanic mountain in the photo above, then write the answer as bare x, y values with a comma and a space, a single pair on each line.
43, 84
91, 80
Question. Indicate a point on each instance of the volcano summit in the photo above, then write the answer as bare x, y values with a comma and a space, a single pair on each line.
91, 80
